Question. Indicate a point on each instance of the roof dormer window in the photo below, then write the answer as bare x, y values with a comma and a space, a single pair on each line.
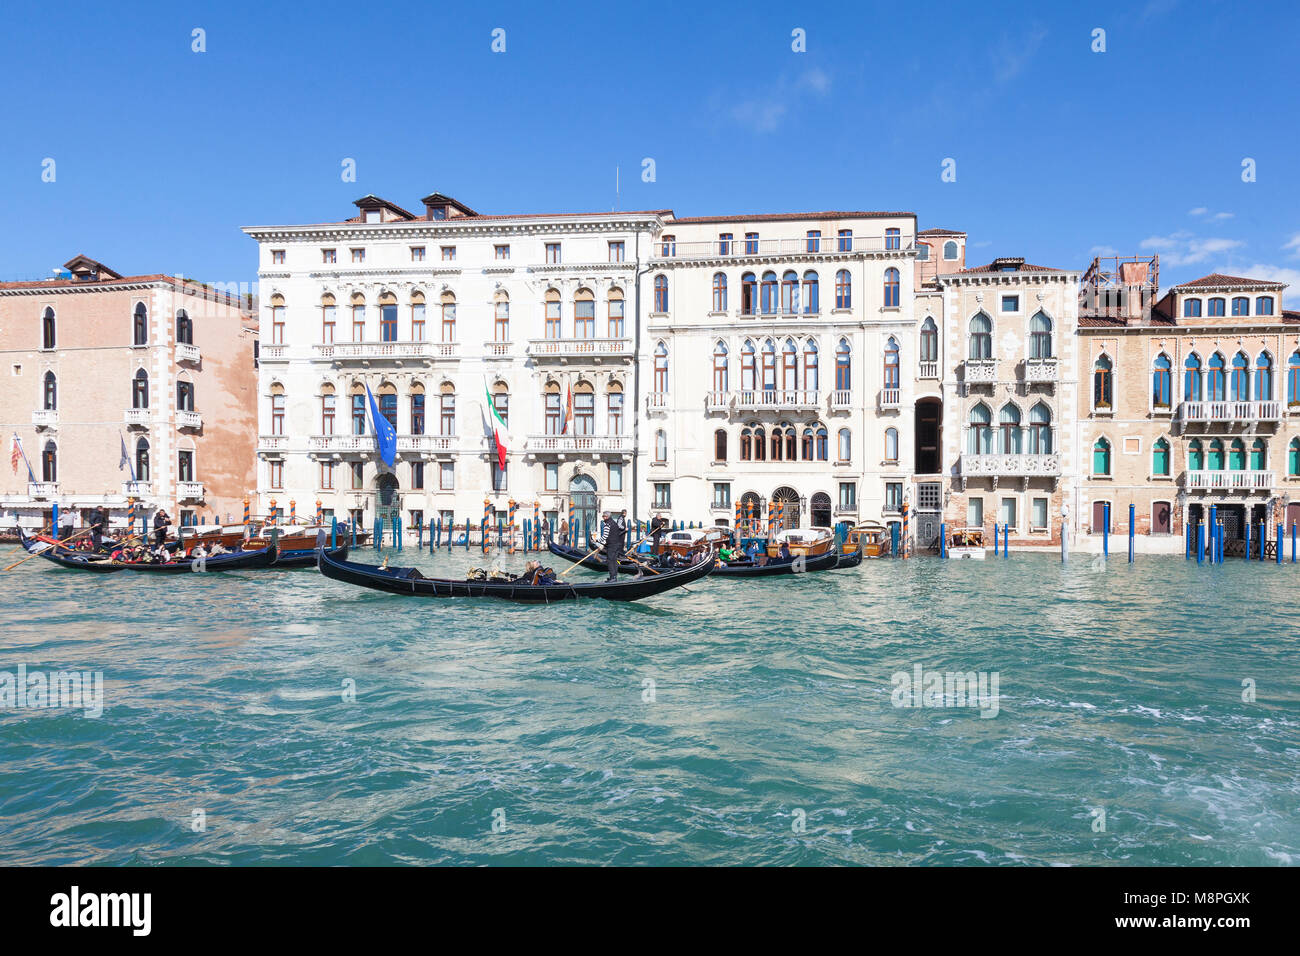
372, 215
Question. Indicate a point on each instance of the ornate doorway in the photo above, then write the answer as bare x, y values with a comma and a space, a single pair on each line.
582, 493
788, 500
821, 510
388, 500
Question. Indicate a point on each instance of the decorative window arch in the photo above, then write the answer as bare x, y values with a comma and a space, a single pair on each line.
357, 403
950, 250
891, 445
552, 318
843, 289
789, 365
1191, 308
661, 368
140, 325
748, 367
277, 319
328, 318
1264, 305
1103, 383
892, 370
769, 293
48, 329
747, 443
789, 292
748, 294
142, 459
418, 405
447, 409
1040, 430
844, 445
891, 288
719, 292
811, 378
1258, 455
1195, 455
50, 392
981, 337
140, 389
584, 314
328, 408
584, 408
979, 433
661, 293
1040, 336
929, 341
1216, 379
1009, 433
1160, 458
358, 317
720, 445
387, 317
1264, 377
614, 407
811, 294
1239, 381
617, 309
769, 366
720, 366
1193, 382
1215, 306
1101, 457
760, 442
843, 366
277, 408
1162, 382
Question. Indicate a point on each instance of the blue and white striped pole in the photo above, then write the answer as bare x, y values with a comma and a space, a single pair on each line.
1131, 532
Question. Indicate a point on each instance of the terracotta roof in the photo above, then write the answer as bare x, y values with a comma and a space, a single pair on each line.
784, 217
998, 266
1216, 280
1099, 321
940, 232
190, 286
371, 201
1290, 315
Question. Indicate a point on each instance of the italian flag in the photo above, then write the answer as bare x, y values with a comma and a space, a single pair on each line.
499, 434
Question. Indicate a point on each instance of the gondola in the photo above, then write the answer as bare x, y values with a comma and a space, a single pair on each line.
235, 561
793, 565
849, 559
409, 581
596, 562
306, 557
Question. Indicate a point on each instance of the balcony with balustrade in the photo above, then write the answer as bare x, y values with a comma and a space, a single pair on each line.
889, 399
498, 350
777, 399
189, 490
841, 399
136, 418
349, 353
137, 489
186, 418
189, 354
656, 403
593, 350
801, 247
1226, 415
42, 489
1010, 465
339, 445
274, 445
272, 353
1227, 481
45, 418
980, 371
927, 370
566, 445
717, 401
1041, 371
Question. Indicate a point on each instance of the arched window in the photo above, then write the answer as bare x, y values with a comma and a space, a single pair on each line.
614, 408
790, 292
448, 317
1191, 308
746, 444
891, 444
1217, 381
140, 325
1258, 455
720, 366
140, 390
922, 252
788, 435
48, 329
447, 410
661, 293
768, 294
277, 319
500, 401
844, 445
981, 337
1237, 455
1192, 381
1103, 383
720, 445
769, 366
184, 395
661, 446
500, 317
950, 250
328, 408
358, 317
661, 368
1009, 430
760, 443
51, 392
614, 300
418, 314
891, 363
1264, 377
979, 434
778, 433
843, 290
1215, 461
184, 328
1264, 305
277, 409
1215, 306
1101, 457
843, 366
810, 377
1239, 383
789, 365
748, 367
357, 398
811, 298
891, 288
1040, 336
328, 318
748, 294
1293, 379
387, 317
1241, 305
1195, 455
551, 328
584, 314
809, 454
1161, 385
1293, 457
1160, 458
929, 341
1040, 430
584, 409
142, 460
719, 292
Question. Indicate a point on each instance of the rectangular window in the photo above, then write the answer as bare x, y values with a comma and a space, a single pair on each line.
1007, 513
722, 495
448, 253
893, 239
447, 476
329, 256
501, 252
185, 466
893, 496
277, 257
1011, 303
417, 475
327, 475
751, 243
328, 313
615, 413
417, 253
499, 476
358, 475
615, 318
615, 477
814, 243
725, 243
553, 252
358, 255
277, 475
617, 251
552, 476
358, 323
1038, 515
417, 322
417, 414
388, 323
663, 494
848, 495
417, 518
845, 237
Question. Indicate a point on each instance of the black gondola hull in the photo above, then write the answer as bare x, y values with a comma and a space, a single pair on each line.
820, 562
306, 557
596, 562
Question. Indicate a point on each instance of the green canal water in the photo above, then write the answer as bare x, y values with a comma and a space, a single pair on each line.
739, 723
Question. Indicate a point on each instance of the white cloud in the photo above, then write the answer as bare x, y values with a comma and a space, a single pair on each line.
1204, 211
1293, 246
1271, 273
1198, 211
765, 113
1185, 248
1223, 215
1103, 251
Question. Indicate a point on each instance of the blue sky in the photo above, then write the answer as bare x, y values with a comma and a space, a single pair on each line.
1061, 153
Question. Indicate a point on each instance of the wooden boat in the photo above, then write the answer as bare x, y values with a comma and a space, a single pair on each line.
293, 537
871, 536
848, 559
409, 581
687, 542
807, 542
306, 557
234, 561
596, 562
967, 543
796, 564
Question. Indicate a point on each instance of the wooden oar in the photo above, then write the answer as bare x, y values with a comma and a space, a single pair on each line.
20, 547
55, 542
583, 559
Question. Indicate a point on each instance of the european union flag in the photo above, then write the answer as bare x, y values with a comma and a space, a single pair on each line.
385, 433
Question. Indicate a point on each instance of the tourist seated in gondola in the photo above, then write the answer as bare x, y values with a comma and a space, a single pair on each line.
784, 552
198, 551
216, 549
726, 554
529, 572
